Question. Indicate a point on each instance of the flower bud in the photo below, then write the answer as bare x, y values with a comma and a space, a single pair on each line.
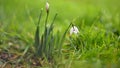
47, 7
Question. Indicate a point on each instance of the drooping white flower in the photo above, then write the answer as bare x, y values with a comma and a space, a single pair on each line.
74, 30
47, 7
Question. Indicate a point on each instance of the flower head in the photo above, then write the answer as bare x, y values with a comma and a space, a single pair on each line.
74, 30
47, 7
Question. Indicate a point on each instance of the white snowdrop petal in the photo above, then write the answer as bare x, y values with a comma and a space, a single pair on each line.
47, 6
74, 30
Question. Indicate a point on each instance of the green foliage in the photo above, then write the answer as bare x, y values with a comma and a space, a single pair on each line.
96, 46
46, 44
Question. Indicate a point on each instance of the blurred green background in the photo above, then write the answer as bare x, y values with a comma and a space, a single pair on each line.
18, 18
22, 11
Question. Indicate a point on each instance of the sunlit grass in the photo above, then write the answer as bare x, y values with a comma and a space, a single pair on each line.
96, 46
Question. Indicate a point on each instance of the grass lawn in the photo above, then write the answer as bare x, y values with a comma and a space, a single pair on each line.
97, 45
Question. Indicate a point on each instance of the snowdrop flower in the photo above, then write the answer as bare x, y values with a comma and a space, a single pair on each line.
74, 30
47, 7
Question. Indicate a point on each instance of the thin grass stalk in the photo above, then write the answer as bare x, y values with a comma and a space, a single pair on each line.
62, 39
40, 17
45, 36
51, 41
50, 46
51, 26
48, 38
37, 37
72, 44
42, 45
46, 20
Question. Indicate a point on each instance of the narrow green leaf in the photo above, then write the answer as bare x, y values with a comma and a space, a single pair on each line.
51, 26
63, 37
37, 40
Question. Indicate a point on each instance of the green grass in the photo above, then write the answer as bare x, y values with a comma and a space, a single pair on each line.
96, 46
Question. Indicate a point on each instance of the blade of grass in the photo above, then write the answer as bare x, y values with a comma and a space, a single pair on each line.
37, 40
51, 26
62, 39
